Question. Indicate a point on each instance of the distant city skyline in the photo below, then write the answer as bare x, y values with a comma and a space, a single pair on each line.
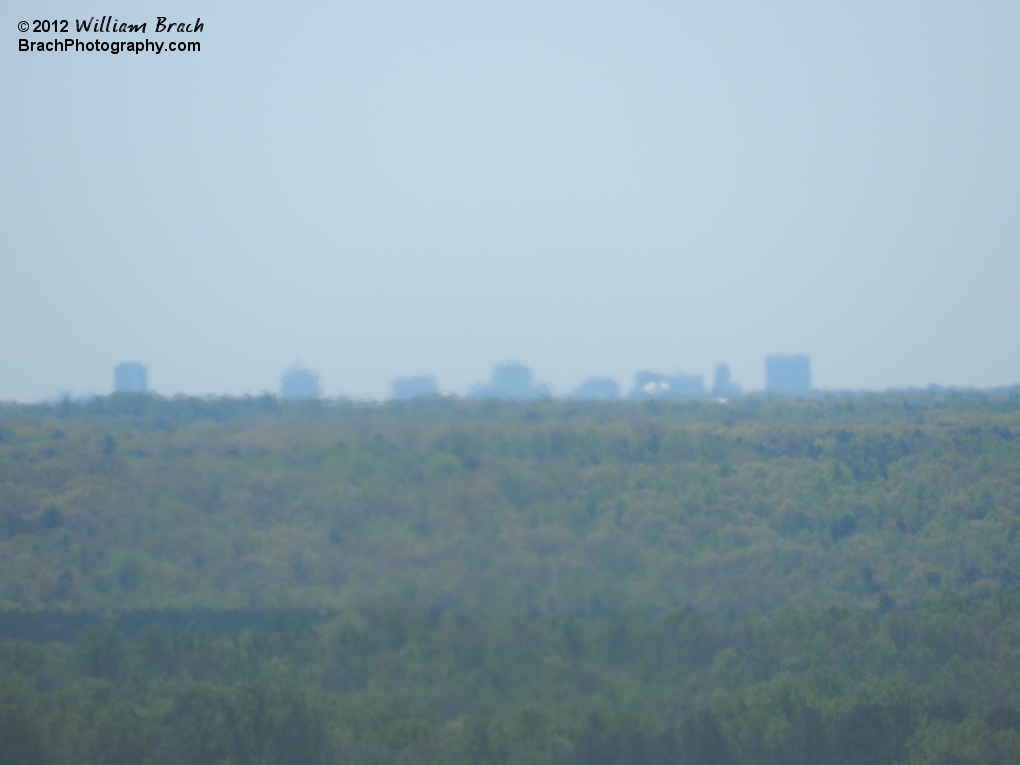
408, 189
786, 375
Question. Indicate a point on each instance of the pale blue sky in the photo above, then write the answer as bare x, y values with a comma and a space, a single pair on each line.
393, 188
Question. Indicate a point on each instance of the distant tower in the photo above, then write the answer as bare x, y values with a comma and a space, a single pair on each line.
723, 385
130, 378
300, 383
788, 375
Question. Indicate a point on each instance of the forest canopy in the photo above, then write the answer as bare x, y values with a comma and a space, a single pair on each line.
437, 580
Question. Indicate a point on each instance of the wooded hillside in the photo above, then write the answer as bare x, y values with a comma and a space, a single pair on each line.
758, 581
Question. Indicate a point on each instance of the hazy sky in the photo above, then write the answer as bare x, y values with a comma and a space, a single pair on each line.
392, 188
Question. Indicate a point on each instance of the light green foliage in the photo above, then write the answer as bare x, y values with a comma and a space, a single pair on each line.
763, 581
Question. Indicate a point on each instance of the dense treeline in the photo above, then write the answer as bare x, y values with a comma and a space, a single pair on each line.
762, 581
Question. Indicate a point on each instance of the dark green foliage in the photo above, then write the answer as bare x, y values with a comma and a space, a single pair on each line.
249, 582
703, 741
100, 651
806, 741
599, 745
21, 730
197, 730
871, 735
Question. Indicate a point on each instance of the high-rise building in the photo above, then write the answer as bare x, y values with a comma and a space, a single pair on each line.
130, 377
788, 375
723, 385
300, 383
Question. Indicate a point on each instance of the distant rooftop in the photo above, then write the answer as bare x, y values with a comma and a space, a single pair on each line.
596, 389
656, 385
404, 388
510, 381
